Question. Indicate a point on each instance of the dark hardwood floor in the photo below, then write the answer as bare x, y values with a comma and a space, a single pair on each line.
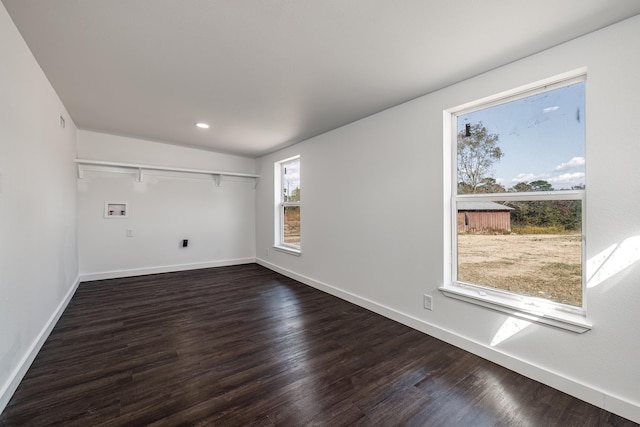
243, 345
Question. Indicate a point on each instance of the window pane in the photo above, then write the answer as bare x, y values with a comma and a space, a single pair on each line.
291, 226
534, 143
291, 181
533, 248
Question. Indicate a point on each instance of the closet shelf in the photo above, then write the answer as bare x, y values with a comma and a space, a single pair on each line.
140, 168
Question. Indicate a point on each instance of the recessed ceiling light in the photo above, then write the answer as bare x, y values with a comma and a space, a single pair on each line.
202, 125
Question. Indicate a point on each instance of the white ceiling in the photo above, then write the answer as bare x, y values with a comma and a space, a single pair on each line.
269, 73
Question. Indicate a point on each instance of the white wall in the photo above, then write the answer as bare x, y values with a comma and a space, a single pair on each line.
163, 209
38, 250
372, 221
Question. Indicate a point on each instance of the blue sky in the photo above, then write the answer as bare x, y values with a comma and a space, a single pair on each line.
541, 136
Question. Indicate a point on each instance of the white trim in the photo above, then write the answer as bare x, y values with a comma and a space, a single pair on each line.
117, 167
532, 309
288, 159
554, 82
578, 389
160, 168
115, 274
543, 313
524, 197
12, 383
288, 250
280, 204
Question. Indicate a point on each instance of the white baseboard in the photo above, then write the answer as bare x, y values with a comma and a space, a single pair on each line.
84, 277
601, 399
11, 385
558, 381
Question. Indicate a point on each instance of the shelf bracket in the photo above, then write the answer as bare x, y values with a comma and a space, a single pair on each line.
140, 176
80, 171
216, 179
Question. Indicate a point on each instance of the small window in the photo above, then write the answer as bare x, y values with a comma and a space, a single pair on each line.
517, 202
287, 187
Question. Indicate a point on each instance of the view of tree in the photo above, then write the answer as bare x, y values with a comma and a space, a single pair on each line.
521, 187
478, 150
564, 214
489, 185
294, 197
541, 186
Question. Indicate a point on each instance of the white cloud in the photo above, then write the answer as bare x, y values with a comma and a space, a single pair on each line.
562, 181
550, 109
568, 177
564, 176
575, 162
567, 180
528, 177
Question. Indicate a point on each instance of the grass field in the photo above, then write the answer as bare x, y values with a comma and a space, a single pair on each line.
540, 265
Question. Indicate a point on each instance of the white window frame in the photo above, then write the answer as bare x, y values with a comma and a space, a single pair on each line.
529, 308
280, 204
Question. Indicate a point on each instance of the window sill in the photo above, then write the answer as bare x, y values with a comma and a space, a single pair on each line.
288, 250
523, 309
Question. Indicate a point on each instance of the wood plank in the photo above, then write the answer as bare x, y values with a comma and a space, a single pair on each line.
243, 345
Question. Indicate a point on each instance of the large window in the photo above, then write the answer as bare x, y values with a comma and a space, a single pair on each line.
287, 187
517, 203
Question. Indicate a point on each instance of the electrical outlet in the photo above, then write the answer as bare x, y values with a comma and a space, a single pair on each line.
185, 243
129, 232
267, 251
428, 302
